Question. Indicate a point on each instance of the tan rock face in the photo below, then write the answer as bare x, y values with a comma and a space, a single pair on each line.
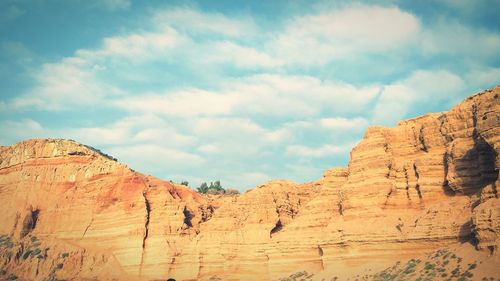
71, 212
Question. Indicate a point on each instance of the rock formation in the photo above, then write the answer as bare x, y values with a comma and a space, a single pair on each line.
430, 183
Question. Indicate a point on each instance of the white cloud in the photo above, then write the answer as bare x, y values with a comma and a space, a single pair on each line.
243, 181
484, 77
153, 158
191, 20
138, 46
318, 39
138, 129
239, 56
263, 94
65, 85
422, 87
453, 38
182, 103
326, 150
340, 123
12, 131
209, 148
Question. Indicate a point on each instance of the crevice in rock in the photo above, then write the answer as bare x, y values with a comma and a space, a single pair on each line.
475, 133
277, 228
146, 224
477, 168
389, 167
88, 226
421, 139
491, 249
320, 251
442, 119
446, 185
146, 229
407, 184
340, 204
34, 217
387, 196
188, 216
417, 185
29, 222
466, 233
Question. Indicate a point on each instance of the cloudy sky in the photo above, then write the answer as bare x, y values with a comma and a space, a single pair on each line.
240, 91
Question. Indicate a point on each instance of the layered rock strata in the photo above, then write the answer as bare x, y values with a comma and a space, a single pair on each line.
72, 212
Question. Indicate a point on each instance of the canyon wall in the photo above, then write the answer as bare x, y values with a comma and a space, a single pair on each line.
72, 212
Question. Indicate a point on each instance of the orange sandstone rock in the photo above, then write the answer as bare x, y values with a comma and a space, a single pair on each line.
72, 212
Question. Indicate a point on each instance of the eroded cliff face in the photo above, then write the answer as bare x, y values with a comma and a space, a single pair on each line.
71, 212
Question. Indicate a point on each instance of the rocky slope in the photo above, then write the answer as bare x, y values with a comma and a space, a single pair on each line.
427, 185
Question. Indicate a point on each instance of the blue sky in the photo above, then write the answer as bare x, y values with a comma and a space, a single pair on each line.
237, 91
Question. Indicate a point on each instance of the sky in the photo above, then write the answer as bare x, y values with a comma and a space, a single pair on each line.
236, 91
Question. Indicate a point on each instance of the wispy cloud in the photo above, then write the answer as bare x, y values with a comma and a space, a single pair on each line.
233, 95
356, 30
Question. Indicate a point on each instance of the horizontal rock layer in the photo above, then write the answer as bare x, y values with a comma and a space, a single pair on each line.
72, 212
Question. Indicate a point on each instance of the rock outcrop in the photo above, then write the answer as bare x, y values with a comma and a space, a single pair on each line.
72, 212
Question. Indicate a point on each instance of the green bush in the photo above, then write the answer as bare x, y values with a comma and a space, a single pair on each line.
26, 254
36, 252
429, 266
214, 186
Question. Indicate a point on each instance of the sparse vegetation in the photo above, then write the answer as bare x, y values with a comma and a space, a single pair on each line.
185, 183
214, 188
434, 268
301, 275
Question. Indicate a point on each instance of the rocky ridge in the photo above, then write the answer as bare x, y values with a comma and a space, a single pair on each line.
430, 183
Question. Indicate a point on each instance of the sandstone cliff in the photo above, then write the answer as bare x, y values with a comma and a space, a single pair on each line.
428, 184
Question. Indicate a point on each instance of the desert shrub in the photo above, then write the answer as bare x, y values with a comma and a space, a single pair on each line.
185, 183
12, 277
468, 274
203, 188
216, 186
36, 252
472, 266
59, 266
65, 255
429, 266
26, 254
